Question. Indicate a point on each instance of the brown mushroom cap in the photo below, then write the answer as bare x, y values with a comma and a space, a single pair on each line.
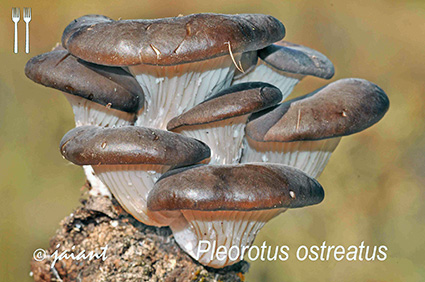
234, 187
237, 100
93, 145
341, 108
294, 58
82, 23
171, 41
111, 86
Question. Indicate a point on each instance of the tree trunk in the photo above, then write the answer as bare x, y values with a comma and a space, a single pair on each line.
131, 250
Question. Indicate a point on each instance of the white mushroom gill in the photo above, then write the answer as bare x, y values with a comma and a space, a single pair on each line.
223, 137
235, 230
87, 112
266, 73
308, 156
172, 90
130, 184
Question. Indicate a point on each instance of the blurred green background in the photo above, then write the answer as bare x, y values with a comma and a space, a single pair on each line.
374, 182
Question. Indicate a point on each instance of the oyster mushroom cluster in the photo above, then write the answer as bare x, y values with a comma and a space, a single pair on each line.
183, 121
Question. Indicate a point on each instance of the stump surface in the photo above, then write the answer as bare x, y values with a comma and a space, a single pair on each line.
135, 252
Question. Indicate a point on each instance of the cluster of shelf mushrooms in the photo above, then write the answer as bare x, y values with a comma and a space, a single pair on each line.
182, 120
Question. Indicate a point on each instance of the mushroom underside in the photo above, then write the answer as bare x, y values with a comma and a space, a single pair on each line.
223, 137
263, 72
130, 184
172, 90
235, 230
308, 156
87, 112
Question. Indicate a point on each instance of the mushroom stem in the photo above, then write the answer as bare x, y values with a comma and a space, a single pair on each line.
233, 230
263, 72
97, 186
308, 156
130, 184
171, 90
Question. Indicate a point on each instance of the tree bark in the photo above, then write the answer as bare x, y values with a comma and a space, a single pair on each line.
135, 252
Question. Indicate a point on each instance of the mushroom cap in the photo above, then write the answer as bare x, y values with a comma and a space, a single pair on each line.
237, 100
93, 145
82, 23
294, 58
341, 108
104, 85
171, 41
243, 187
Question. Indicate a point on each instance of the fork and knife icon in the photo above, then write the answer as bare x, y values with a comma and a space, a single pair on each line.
16, 17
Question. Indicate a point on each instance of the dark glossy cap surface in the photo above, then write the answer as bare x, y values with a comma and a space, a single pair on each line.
93, 145
237, 100
104, 85
83, 22
171, 41
244, 187
341, 108
298, 59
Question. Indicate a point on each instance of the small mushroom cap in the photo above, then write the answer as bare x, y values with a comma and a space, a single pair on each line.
104, 85
294, 58
93, 145
243, 187
171, 41
341, 108
237, 100
82, 23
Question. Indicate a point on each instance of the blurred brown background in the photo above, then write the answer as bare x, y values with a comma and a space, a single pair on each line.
374, 182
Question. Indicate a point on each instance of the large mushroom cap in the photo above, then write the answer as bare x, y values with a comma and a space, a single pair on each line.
294, 58
93, 145
237, 100
110, 86
171, 41
341, 108
234, 187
